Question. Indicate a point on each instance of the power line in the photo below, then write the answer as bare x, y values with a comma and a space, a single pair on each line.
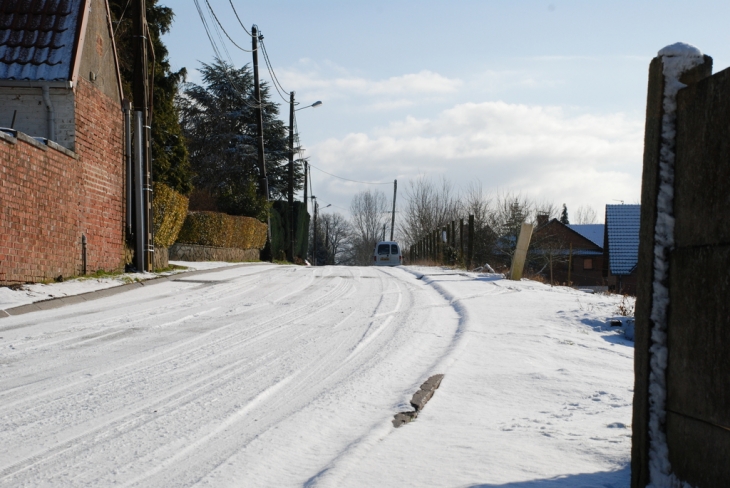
218, 54
224, 30
275, 80
239, 18
354, 181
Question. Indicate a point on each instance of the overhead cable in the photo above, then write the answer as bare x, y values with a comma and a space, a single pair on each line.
224, 30
239, 19
354, 181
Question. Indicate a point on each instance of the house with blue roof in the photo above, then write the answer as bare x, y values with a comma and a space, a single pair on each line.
621, 247
568, 254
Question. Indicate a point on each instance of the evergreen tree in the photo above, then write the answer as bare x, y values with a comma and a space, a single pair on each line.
170, 163
564, 216
219, 124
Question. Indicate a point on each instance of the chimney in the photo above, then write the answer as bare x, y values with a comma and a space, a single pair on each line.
542, 219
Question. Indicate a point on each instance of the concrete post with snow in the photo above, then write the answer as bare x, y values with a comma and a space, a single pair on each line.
681, 426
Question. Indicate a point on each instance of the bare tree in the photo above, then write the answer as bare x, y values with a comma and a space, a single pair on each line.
585, 215
369, 212
428, 206
337, 232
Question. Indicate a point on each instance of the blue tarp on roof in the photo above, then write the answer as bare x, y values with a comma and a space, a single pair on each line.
37, 39
622, 223
592, 232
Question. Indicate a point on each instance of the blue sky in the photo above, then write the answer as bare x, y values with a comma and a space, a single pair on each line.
544, 98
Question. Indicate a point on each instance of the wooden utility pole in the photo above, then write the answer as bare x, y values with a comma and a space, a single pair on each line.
290, 189
392, 219
306, 202
143, 247
570, 262
258, 113
314, 248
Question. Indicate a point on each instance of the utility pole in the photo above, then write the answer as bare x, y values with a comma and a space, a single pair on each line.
327, 242
290, 193
392, 219
258, 112
143, 249
306, 202
314, 252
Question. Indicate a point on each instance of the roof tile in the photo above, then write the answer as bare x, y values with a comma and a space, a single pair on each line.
37, 38
623, 222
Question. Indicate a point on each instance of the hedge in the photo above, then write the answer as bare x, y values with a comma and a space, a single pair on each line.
169, 209
221, 230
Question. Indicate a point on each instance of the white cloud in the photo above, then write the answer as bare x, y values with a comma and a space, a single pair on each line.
422, 83
545, 152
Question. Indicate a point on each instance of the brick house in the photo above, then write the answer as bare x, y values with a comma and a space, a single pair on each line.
621, 247
61, 140
581, 245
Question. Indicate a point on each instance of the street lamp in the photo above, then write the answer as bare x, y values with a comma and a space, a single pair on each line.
314, 105
290, 192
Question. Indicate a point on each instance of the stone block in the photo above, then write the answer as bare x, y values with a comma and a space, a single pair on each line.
403, 418
420, 398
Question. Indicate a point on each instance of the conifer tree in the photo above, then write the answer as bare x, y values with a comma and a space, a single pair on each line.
564, 216
170, 163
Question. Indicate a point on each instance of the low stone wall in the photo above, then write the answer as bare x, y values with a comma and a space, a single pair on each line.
161, 258
194, 252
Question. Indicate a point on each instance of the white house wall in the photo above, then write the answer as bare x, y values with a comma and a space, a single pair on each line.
32, 117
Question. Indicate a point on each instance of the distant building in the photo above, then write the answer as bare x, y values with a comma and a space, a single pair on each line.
575, 251
621, 247
61, 140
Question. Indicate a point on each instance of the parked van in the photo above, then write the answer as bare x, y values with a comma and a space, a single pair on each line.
387, 253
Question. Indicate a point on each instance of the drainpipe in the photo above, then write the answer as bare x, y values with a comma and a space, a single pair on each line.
51, 114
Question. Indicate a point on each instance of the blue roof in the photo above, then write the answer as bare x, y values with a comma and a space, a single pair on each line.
37, 39
592, 232
622, 223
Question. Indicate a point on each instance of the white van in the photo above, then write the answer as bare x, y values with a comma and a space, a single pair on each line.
387, 253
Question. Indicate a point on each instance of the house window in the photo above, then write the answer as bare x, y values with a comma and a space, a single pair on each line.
587, 264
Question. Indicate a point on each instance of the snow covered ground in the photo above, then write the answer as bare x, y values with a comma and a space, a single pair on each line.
290, 376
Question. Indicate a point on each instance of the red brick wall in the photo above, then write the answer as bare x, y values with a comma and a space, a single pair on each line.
49, 198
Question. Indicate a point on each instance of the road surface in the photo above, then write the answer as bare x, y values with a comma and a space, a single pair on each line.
256, 376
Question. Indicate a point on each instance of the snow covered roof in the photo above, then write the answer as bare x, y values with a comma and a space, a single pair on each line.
592, 232
622, 225
38, 39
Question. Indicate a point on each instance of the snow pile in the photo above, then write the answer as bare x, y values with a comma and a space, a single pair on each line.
677, 59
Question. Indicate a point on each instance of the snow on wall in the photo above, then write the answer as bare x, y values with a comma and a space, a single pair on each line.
676, 59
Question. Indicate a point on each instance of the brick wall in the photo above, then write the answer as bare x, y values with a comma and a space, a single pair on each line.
50, 197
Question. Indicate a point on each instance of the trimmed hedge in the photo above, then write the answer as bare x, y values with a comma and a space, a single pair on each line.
169, 209
221, 230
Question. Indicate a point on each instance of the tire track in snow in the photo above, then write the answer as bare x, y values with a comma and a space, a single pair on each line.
119, 424
155, 367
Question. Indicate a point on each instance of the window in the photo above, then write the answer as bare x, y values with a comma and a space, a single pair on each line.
383, 249
393, 249
587, 264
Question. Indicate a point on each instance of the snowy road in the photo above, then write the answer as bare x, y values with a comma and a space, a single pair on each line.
269, 374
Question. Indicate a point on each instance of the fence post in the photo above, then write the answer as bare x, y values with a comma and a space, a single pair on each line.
453, 234
461, 241
470, 251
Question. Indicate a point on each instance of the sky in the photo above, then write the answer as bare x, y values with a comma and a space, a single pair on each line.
544, 99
